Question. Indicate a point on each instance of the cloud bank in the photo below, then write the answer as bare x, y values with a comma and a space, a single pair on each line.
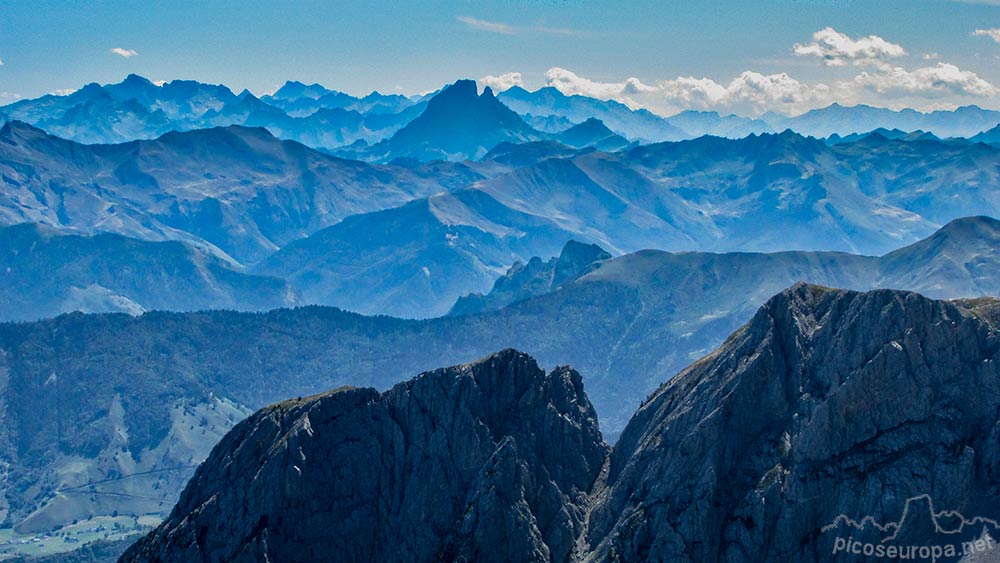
502, 82
880, 80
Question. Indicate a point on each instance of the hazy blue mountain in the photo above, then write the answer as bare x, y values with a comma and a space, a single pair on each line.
516, 155
44, 272
416, 260
869, 196
294, 90
524, 281
713, 193
991, 137
960, 259
139, 109
634, 124
841, 120
300, 99
894, 134
132, 109
548, 123
939, 181
593, 133
458, 124
700, 123
98, 117
629, 324
238, 190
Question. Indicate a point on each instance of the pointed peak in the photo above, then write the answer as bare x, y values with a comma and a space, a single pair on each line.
968, 224
574, 249
137, 79
15, 129
465, 87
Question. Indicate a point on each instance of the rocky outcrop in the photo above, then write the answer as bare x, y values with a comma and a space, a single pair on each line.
487, 462
827, 404
831, 415
524, 281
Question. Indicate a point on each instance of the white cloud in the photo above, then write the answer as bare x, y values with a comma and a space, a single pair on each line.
993, 33
753, 93
484, 25
126, 53
750, 92
8, 97
508, 29
570, 83
932, 56
502, 82
837, 49
1, 62
63, 91
929, 82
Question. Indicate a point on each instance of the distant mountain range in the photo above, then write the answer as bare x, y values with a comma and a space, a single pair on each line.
236, 190
442, 230
629, 323
825, 401
708, 194
836, 119
139, 109
136, 108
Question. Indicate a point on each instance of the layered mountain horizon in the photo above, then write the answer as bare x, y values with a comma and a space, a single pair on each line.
280, 209
138, 108
175, 257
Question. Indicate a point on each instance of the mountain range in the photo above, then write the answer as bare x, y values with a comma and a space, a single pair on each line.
238, 191
825, 402
175, 256
628, 323
837, 119
137, 108
282, 209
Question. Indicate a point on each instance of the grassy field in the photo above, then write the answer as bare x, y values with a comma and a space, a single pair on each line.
13, 544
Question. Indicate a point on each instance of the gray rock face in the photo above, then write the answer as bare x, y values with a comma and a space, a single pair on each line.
829, 405
488, 462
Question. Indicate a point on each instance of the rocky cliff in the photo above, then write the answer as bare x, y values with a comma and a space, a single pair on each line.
827, 403
484, 462
830, 414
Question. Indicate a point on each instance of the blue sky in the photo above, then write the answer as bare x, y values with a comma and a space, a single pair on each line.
745, 57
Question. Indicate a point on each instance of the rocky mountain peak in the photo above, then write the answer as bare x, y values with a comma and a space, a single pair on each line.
488, 461
823, 390
458, 123
832, 413
524, 281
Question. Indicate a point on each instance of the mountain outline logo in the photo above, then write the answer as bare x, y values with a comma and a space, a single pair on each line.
922, 532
